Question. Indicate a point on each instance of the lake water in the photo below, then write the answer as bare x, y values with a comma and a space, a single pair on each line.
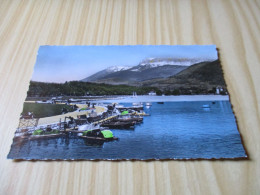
174, 130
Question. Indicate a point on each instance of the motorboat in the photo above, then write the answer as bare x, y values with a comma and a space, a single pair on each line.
119, 124
130, 118
99, 135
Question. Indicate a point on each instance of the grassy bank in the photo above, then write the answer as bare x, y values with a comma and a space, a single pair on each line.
45, 110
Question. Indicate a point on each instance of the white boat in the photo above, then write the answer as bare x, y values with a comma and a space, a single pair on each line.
88, 127
134, 94
119, 106
137, 104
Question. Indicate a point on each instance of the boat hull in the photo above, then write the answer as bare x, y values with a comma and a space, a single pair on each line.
32, 137
98, 138
119, 125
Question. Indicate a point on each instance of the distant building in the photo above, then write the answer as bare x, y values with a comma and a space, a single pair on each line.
151, 93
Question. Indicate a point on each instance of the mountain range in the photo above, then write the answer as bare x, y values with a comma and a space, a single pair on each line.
151, 68
204, 76
164, 74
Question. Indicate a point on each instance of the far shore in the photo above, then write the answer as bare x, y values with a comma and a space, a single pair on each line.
178, 98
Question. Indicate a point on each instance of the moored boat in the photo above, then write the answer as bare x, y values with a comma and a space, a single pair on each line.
119, 125
130, 118
99, 135
40, 133
136, 108
45, 136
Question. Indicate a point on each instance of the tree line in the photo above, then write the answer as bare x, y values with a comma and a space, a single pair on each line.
78, 88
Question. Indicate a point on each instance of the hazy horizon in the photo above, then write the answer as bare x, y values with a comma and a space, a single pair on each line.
59, 64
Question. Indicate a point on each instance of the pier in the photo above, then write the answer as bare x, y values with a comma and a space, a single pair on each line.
73, 122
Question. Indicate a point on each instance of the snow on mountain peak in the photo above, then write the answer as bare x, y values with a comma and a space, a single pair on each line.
156, 62
118, 68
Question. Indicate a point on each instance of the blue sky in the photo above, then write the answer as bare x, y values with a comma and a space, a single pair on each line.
66, 63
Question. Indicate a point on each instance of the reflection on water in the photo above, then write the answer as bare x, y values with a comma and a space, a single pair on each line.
94, 143
176, 130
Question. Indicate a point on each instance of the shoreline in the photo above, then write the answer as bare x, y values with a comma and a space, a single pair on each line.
131, 99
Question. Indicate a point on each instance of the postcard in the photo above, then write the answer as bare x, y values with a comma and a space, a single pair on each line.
139, 102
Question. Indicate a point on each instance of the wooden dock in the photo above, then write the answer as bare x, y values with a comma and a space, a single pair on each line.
104, 120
